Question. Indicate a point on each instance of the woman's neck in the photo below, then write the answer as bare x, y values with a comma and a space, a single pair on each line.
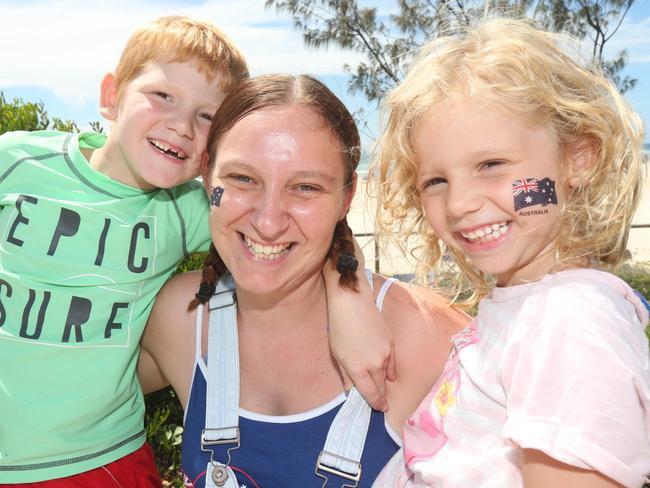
289, 307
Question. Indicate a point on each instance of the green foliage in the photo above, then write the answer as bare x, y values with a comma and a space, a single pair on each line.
638, 277
388, 42
29, 116
19, 115
164, 424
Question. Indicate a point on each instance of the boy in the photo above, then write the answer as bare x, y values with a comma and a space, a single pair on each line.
90, 229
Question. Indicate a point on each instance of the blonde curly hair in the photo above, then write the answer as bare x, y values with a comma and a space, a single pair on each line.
528, 72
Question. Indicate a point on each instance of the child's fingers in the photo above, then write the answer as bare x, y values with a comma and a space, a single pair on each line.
370, 390
391, 368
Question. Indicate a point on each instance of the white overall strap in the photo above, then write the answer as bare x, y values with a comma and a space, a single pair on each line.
343, 448
382, 292
222, 384
346, 437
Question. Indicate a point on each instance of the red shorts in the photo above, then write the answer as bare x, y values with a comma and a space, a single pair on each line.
137, 470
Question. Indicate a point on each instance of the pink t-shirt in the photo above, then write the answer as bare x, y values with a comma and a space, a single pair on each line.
560, 365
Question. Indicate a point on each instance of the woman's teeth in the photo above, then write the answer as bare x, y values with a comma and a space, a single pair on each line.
266, 252
487, 233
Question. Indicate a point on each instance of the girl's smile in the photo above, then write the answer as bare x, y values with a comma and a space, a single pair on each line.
466, 187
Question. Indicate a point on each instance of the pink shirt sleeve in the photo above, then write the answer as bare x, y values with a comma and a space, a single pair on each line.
577, 380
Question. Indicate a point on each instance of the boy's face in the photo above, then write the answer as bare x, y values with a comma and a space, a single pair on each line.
161, 123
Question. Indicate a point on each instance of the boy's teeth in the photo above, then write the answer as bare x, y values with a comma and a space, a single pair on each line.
487, 233
168, 149
266, 252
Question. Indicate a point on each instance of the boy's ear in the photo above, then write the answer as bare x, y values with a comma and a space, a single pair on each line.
582, 156
108, 97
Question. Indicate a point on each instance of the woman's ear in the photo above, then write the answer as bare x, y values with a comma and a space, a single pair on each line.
108, 97
349, 196
581, 157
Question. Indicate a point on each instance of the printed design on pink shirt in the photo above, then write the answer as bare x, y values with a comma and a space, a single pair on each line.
424, 433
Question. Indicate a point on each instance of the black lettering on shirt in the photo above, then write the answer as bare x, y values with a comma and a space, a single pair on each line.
20, 219
39, 320
102, 243
78, 315
68, 225
111, 324
134, 240
3, 312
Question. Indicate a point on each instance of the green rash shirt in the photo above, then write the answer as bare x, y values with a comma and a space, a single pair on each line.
82, 257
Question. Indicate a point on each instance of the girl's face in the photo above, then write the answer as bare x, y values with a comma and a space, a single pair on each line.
490, 187
277, 191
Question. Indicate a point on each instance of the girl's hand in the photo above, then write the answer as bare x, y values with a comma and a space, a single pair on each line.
359, 337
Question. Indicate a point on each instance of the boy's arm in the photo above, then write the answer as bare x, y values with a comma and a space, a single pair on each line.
360, 339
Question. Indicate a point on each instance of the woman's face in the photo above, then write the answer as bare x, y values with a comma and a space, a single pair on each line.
277, 190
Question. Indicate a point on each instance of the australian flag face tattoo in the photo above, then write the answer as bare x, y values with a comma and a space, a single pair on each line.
531, 191
215, 196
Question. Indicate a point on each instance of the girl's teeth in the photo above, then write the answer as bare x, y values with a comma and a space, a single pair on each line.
487, 233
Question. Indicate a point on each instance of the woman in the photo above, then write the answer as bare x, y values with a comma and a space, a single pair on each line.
283, 153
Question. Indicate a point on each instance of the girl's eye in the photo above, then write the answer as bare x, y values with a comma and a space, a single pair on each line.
433, 183
163, 95
207, 117
490, 164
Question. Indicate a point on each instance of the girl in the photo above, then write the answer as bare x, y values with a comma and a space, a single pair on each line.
521, 168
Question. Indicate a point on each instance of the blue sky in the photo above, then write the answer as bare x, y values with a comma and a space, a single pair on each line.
57, 51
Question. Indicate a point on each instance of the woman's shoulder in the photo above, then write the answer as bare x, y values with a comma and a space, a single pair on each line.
409, 303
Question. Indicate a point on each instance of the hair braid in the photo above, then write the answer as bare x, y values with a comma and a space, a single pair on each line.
342, 253
213, 269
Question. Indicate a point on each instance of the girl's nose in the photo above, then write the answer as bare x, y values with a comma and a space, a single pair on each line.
462, 199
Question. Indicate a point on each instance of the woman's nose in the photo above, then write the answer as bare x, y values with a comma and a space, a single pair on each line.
270, 216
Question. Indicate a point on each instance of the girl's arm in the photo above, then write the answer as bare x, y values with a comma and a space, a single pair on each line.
360, 339
542, 471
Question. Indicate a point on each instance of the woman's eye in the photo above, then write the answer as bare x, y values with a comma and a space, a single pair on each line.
307, 188
241, 178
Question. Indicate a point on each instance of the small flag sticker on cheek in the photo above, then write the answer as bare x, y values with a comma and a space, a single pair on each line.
215, 196
531, 191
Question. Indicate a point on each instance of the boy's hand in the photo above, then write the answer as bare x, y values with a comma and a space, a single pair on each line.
360, 339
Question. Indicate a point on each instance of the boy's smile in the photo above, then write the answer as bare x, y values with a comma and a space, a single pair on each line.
161, 122
472, 161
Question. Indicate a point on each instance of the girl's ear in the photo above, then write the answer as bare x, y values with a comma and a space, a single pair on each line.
108, 97
581, 157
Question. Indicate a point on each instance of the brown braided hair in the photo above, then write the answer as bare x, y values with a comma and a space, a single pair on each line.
277, 90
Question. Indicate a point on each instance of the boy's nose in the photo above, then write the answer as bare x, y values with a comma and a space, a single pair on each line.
182, 124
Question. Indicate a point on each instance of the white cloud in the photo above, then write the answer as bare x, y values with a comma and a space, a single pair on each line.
67, 45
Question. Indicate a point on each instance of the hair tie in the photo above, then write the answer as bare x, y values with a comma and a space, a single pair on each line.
206, 290
346, 262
